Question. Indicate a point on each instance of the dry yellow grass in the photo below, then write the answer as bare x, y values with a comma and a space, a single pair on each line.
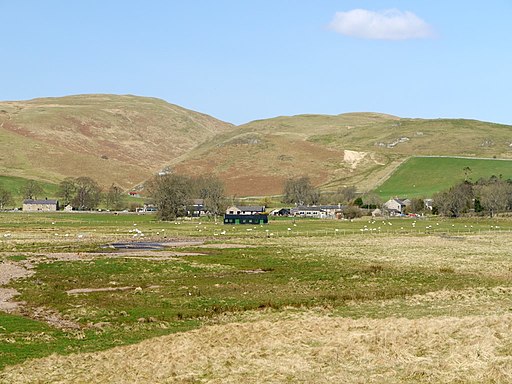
303, 348
486, 254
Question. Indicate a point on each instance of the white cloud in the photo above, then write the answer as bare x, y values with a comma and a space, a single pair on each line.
386, 25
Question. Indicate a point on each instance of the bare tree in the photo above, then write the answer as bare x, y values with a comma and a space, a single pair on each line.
352, 212
346, 194
372, 200
171, 194
300, 191
417, 206
87, 195
455, 201
211, 190
31, 190
114, 198
67, 190
494, 196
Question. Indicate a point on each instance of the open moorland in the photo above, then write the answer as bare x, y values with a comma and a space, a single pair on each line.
360, 149
111, 138
127, 139
124, 298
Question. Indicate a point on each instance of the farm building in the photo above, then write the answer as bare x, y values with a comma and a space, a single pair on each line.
245, 210
396, 206
319, 212
45, 205
196, 208
280, 212
257, 218
315, 212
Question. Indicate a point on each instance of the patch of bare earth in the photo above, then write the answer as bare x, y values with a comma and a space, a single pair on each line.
353, 157
107, 289
10, 271
305, 349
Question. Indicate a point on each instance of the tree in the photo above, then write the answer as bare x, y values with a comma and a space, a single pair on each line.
358, 202
494, 196
67, 190
346, 194
31, 190
352, 212
417, 206
211, 190
171, 194
300, 191
455, 201
266, 202
114, 198
467, 171
5, 198
87, 194
372, 200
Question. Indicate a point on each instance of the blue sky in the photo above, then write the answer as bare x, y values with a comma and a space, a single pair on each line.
245, 60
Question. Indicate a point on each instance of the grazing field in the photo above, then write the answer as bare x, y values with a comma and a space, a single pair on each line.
403, 300
424, 176
15, 185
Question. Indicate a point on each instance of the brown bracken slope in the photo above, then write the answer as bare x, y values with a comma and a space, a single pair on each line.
111, 138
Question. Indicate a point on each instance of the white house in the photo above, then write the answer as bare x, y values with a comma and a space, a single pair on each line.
245, 210
395, 206
315, 212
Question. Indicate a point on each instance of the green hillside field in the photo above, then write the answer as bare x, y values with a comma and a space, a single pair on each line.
424, 176
15, 184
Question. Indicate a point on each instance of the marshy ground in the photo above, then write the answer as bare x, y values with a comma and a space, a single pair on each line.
294, 301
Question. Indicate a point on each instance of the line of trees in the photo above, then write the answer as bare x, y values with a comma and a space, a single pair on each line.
84, 194
173, 193
300, 191
489, 196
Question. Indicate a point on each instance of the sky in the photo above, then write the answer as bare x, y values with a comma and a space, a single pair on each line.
246, 60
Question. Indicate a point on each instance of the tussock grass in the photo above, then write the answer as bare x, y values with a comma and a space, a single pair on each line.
305, 349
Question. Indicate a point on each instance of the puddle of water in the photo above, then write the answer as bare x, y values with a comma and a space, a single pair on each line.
148, 245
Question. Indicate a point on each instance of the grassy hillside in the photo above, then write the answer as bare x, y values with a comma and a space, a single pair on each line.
360, 149
127, 139
122, 139
424, 176
15, 184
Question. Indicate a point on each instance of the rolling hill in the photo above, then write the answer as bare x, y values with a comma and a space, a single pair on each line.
121, 139
127, 139
360, 149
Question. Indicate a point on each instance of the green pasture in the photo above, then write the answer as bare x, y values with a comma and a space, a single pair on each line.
289, 263
85, 231
425, 176
15, 185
